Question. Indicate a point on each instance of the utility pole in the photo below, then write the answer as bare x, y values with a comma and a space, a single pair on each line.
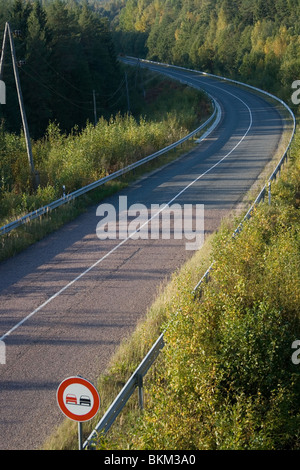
136, 72
95, 109
127, 91
3, 51
21, 104
139, 71
142, 81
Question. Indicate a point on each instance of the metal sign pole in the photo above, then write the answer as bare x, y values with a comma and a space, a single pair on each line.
80, 435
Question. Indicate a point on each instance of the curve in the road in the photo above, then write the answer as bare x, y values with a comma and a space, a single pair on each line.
77, 278
68, 301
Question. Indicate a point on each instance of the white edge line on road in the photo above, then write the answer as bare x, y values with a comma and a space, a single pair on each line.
129, 237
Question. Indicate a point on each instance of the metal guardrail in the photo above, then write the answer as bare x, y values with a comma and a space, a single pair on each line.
69, 197
136, 380
241, 84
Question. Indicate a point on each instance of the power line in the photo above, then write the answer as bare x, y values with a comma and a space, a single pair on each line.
107, 96
118, 100
48, 86
56, 92
76, 103
118, 89
52, 90
57, 73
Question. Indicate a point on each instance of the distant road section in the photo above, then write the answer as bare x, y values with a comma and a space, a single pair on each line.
68, 301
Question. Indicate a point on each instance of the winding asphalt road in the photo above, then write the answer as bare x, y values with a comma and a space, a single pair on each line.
68, 301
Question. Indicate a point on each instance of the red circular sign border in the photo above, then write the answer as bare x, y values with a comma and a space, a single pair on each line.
79, 380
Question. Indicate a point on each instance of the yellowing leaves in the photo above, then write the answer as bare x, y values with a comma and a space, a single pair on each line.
227, 380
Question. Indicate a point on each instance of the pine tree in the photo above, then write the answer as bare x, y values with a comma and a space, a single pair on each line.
36, 73
68, 65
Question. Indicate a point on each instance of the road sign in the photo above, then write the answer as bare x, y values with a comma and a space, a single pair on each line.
78, 399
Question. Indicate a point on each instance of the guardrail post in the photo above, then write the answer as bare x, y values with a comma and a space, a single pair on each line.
141, 392
269, 189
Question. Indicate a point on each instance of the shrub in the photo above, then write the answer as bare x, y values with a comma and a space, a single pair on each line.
225, 379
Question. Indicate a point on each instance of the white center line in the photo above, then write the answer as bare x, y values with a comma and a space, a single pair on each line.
129, 237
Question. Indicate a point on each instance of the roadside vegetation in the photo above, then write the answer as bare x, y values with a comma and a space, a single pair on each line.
225, 378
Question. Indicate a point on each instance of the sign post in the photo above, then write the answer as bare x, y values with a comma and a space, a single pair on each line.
79, 400
80, 435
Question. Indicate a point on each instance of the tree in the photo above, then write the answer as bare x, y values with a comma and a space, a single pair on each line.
69, 52
103, 73
68, 66
35, 74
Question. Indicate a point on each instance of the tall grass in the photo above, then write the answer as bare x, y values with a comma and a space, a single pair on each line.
225, 379
77, 159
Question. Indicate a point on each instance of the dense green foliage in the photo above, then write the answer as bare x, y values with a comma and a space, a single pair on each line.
225, 378
254, 40
69, 52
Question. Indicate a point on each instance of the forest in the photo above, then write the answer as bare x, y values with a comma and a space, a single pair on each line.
256, 41
67, 50
66, 54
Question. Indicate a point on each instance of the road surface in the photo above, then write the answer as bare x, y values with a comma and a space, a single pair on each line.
68, 301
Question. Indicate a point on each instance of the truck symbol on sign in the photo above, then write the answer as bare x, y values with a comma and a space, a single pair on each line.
84, 400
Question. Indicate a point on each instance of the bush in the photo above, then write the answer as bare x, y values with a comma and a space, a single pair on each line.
225, 378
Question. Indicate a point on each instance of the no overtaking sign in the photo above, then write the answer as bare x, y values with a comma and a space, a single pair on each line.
78, 399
